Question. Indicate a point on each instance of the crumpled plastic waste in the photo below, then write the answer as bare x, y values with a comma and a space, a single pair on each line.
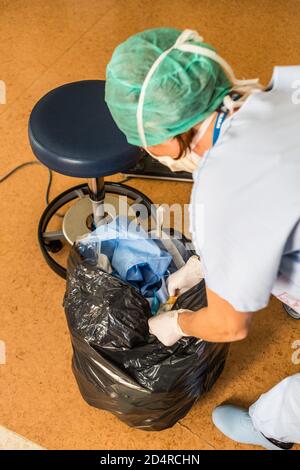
134, 256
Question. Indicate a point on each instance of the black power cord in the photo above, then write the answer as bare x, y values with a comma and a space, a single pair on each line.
22, 165
50, 178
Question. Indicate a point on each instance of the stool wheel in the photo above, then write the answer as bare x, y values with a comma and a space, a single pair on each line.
54, 246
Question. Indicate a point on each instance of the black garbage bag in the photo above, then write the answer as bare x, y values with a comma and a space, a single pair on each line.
118, 366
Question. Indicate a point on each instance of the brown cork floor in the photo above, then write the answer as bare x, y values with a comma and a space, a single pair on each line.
44, 44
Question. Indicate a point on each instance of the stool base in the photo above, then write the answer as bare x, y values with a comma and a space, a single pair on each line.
78, 219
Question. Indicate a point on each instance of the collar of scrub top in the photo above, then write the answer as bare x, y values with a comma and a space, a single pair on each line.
181, 44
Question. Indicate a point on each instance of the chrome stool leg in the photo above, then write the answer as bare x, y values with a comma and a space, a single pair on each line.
97, 194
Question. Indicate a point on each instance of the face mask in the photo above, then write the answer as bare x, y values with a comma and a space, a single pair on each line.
191, 159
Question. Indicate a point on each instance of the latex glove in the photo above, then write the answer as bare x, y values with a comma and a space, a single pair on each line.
186, 277
166, 328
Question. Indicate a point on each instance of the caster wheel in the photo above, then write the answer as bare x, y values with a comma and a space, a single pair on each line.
54, 246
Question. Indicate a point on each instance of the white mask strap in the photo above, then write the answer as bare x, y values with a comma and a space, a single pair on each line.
214, 56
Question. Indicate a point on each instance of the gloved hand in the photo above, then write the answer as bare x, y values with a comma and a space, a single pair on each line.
166, 328
186, 277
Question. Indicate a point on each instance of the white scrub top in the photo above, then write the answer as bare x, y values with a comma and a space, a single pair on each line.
245, 206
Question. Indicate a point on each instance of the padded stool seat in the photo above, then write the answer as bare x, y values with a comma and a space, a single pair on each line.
71, 131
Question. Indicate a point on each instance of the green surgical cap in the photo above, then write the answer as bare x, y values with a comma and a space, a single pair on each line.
184, 89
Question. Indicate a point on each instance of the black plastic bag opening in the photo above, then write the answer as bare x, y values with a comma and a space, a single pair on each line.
118, 366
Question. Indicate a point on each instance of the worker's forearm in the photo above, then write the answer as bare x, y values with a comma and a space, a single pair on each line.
207, 325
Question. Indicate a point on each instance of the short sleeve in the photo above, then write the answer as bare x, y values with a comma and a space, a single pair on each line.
240, 264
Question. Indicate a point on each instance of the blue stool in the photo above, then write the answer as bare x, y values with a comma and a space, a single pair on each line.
71, 131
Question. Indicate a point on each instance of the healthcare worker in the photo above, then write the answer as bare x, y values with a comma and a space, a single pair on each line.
173, 95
